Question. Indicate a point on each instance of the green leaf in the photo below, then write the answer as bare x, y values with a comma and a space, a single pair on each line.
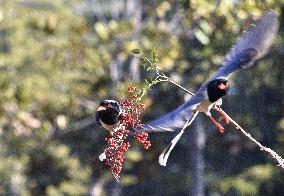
155, 55
142, 61
136, 51
147, 81
202, 37
149, 68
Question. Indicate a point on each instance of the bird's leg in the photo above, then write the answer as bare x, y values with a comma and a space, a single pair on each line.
219, 127
223, 114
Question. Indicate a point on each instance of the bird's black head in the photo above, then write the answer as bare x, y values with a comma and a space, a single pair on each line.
217, 88
108, 112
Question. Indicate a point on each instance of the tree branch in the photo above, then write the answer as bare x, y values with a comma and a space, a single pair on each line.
167, 79
269, 151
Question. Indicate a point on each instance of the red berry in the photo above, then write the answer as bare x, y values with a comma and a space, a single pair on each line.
131, 89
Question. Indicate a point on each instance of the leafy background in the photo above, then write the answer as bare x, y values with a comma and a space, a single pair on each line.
59, 59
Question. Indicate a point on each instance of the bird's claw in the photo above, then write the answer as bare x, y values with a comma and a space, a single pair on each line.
220, 128
223, 116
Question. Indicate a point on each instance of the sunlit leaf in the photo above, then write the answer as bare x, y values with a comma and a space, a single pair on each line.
136, 51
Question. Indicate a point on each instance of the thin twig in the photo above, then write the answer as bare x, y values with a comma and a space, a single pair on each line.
167, 79
272, 153
164, 78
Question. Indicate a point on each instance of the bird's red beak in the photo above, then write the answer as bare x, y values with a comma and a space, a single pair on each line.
222, 86
101, 108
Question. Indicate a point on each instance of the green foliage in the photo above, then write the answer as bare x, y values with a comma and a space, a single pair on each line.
248, 182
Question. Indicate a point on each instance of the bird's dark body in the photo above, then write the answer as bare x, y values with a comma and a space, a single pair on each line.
109, 112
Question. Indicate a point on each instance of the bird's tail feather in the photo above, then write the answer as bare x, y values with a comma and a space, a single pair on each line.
163, 158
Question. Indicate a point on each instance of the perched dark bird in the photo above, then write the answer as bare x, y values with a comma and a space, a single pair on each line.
252, 45
108, 114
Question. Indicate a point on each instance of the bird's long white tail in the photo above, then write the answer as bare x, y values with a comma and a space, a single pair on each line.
163, 158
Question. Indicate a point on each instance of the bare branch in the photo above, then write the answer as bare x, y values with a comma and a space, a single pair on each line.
167, 79
269, 151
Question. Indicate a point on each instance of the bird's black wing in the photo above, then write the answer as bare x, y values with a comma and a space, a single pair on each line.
250, 46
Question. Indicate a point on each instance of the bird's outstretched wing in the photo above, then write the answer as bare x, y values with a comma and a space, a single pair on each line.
250, 46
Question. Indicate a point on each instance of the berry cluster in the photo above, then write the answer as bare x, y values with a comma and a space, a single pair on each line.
142, 138
116, 150
117, 145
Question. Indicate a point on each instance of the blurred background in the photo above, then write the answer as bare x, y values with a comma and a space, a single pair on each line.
59, 59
